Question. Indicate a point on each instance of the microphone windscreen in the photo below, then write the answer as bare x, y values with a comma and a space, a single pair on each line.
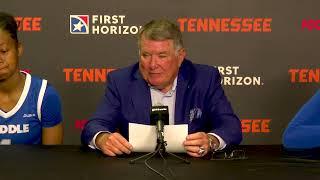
159, 113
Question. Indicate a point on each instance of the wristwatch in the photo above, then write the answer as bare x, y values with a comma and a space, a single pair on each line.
213, 146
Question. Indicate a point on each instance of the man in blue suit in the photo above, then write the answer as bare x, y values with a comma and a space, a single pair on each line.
192, 92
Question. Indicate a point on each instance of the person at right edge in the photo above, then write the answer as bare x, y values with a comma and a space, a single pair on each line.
193, 93
303, 132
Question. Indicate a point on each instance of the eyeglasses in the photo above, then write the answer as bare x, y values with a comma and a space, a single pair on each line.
233, 155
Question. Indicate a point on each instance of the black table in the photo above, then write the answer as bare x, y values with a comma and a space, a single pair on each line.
74, 162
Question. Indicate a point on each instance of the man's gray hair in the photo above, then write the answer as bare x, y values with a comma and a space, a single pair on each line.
159, 30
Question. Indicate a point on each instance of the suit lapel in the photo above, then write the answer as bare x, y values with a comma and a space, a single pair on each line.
182, 90
141, 99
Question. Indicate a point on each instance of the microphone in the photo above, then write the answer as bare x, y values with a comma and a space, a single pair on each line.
159, 116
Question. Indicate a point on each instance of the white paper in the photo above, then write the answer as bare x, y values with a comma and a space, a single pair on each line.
175, 135
143, 137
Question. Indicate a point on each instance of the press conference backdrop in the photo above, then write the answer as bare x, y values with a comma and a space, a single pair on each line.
267, 52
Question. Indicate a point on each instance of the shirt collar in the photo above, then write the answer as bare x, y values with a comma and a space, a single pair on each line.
173, 88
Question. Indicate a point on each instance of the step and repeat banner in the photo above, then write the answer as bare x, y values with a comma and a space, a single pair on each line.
266, 51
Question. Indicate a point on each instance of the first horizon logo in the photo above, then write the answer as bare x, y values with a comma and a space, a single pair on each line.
79, 24
102, 25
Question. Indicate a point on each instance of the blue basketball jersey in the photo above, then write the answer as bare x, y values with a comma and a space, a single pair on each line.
22, 124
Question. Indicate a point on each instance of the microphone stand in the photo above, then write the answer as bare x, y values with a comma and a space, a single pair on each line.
161, 150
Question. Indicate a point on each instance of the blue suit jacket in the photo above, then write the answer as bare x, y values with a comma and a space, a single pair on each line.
200, 102
303, 132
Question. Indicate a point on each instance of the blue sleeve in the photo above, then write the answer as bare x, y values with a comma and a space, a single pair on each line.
303, 132
226, 124
51, 108
106, 115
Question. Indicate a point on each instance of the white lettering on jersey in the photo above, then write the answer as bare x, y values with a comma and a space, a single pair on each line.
5, 141
28, 115
14, 129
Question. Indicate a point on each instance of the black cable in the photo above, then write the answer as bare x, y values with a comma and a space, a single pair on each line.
166, 164
148, 166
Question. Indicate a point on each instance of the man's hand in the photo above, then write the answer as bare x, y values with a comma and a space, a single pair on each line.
113, 144
198, 144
